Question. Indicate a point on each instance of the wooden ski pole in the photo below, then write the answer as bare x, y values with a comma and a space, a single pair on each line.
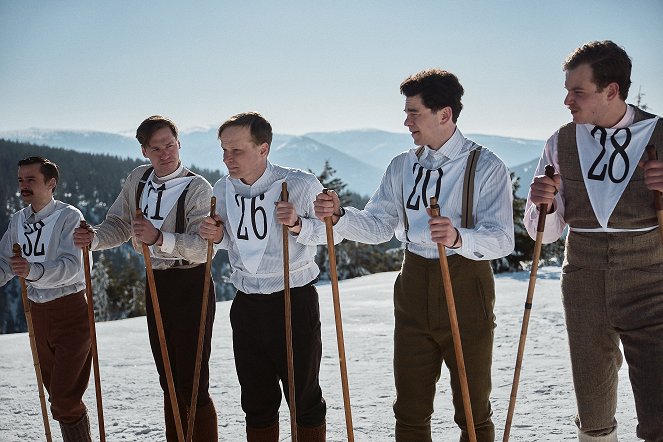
16, 248
543, 211
455, 330
201, 331
162, 339
651, 154
93, 337
339, 326
288, 323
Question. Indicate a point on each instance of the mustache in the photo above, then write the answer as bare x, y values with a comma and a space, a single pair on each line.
26, 192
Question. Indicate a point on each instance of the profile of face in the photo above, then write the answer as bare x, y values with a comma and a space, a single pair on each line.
163, 151
244, 159
587, 104
35, 189
427, 127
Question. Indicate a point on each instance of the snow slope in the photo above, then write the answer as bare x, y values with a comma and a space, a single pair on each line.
133, 401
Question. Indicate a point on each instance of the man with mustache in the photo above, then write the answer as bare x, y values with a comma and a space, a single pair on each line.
174, 200
612, 278
53, 270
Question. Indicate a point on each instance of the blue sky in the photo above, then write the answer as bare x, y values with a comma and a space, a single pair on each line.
306, 65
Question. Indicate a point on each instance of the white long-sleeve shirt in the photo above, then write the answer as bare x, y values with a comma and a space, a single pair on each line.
61, 272
555, 223
302, 188
492, 235
116, 228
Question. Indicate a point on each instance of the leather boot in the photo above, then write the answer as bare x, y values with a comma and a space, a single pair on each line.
269, 434
314, 434
171, 429
79, 431
205, 425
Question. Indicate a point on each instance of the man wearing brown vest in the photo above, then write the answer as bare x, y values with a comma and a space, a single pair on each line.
612, 278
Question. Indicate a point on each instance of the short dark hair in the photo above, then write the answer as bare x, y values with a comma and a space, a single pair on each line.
151, 125
261, 130
47, 168
438, 89
609, 62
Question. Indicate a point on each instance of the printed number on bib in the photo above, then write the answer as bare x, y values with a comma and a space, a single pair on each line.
420, 191
258, 223
159, 190
32, 233
620, 149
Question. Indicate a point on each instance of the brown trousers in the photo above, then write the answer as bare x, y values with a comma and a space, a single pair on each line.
612, 288
423, 341
62, 333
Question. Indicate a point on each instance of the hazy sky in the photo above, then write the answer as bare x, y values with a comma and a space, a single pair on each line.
306, 65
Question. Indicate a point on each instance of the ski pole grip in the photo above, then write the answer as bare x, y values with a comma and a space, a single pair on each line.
543, 208
434, 206
284, 191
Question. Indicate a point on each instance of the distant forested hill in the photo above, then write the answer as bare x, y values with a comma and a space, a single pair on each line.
90, 182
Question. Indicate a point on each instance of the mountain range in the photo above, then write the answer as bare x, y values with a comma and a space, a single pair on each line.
358, 156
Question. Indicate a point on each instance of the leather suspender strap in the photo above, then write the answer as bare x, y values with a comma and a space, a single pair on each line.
180, 220
466, 218
141, 185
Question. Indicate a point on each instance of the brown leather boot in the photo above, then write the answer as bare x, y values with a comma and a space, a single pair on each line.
269, 434
79, 431
205, 426
171, 430
315, 434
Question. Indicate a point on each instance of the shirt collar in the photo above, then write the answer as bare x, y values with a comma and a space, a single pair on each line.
262, 182
627, 119
47, 210
170, 176
451, 149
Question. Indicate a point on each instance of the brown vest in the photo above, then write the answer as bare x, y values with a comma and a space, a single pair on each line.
635, 209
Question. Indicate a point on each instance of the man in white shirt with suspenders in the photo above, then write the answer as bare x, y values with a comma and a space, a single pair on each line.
249, 225
53, 270
174, 201
474, 192
612, 278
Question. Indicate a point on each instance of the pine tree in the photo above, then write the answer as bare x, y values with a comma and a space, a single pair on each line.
353, 258
524, 245
100, 283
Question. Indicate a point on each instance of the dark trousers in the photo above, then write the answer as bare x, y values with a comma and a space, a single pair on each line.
180, 301
62, 333
423, 341
258, 324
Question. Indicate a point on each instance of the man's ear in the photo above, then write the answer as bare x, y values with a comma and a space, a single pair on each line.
264, 149
612, 90
52, 183
445, 115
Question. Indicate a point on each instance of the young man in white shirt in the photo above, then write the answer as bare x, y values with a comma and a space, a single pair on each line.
53, 270
475, 226
612, 278
249, 225
174, 201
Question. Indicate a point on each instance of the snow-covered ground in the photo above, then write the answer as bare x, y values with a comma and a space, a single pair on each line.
133, 400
